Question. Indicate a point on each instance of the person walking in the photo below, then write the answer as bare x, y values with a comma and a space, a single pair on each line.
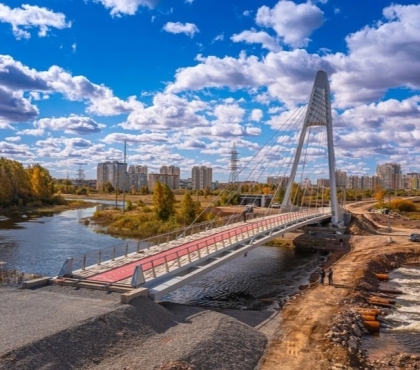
321, 273
330, 276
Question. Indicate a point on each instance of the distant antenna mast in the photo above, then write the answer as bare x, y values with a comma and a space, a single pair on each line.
233, 177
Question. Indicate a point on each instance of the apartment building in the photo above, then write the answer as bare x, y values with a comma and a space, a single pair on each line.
201, 178
113, 172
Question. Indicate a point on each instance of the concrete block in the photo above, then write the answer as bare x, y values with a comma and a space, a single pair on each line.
35, 282
127, 297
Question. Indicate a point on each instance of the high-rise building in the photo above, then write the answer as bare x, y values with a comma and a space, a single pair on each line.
171, 180
281, 181
390, 175
170, 170
113, 172
202, 177
341, 179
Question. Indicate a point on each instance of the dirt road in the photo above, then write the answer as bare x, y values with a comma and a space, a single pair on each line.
300, 342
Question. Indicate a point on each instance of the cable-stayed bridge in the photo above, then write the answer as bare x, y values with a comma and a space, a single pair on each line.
159, 265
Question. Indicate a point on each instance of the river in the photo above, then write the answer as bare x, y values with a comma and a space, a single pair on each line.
40, 244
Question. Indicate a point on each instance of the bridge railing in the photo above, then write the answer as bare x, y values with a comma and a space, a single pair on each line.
135, 248
161, 264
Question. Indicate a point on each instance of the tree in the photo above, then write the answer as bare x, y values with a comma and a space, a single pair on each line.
189, 209
107, 187
163, 201
380, 195
42, 185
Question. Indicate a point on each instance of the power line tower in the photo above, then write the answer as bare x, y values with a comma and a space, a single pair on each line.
233, 177
80, 176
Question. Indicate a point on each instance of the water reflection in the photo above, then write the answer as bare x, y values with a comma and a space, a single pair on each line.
41, 243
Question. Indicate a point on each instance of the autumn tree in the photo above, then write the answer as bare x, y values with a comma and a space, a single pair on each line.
163, 201
189, 209
380, 195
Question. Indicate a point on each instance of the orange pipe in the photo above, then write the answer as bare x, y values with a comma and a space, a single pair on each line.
382, 276
372, 326
373, 311
381, 304
368, 318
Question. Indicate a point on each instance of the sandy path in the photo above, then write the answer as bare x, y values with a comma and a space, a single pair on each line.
299, 342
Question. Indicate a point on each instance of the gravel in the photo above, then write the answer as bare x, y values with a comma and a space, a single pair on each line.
65, 328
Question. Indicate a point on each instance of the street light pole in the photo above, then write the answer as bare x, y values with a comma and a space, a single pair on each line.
389, 211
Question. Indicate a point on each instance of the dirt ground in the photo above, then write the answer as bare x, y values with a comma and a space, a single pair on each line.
300, 342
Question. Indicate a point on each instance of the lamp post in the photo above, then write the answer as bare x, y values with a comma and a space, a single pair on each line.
389, 211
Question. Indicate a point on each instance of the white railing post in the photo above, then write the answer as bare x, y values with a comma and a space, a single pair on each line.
113, 254
188, 254
126, 249
99, 257
84, 262
207, 247
179, 261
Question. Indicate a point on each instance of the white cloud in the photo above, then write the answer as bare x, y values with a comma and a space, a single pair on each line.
74, 47
72, 125
11, 149
30, 16
167, 112
256, 115
253, 37
15, 108
219, 37
293, 22
142, 138
13, 138
129, 7
177, 27
189, 1
387, 49
32, 132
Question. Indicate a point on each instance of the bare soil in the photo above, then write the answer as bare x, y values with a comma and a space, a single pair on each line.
300, 341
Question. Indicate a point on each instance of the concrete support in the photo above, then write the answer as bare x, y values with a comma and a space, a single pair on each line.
67, 268
138, 277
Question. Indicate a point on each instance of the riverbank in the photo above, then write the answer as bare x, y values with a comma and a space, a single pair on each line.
45, 208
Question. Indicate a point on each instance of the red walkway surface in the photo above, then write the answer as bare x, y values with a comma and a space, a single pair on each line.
126, 271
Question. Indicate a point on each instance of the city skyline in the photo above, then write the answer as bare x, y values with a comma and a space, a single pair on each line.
182, 81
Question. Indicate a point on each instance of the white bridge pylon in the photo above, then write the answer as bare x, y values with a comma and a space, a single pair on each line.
318, 114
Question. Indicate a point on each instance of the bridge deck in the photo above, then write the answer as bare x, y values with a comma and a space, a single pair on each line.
179, 254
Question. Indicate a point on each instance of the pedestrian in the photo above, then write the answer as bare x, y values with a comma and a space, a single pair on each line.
321, 273
244, 216
330, 276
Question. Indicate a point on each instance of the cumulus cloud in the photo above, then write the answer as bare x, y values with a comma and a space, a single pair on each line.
28, 16
256, 115
189, 29
101, 100
12, 149
168, 111
287, 75
72, 125
294, 23
15, 108
142, 138
372, 50
127, 7
254, 37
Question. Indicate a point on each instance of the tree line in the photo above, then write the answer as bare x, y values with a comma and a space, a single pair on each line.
22, 186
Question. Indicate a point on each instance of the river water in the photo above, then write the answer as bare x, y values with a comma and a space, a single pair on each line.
40, 244
404, 332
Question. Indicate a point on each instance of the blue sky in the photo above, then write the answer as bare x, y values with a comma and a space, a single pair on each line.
183, 80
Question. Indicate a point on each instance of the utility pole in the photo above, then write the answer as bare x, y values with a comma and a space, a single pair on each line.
389, 211
116, 183
125, 173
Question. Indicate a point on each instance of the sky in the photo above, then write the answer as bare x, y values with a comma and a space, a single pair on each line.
181, 81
